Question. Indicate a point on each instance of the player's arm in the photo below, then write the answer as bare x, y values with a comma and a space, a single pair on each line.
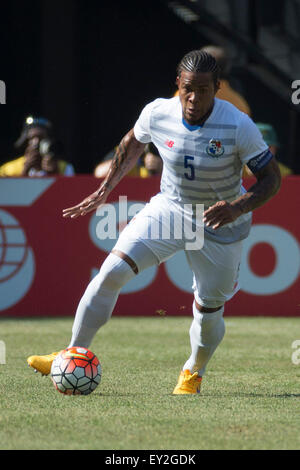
126, 156
267, 185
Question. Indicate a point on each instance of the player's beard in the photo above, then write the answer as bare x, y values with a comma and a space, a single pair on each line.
197, 117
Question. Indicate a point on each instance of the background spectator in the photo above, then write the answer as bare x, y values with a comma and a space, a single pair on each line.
41, 152
226, 91
270, 137
150, 164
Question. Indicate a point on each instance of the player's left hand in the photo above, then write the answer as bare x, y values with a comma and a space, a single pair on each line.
220, 214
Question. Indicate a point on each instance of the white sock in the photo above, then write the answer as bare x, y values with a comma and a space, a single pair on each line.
206, 333
96, 305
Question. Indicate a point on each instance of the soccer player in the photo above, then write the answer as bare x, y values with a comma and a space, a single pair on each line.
204, 143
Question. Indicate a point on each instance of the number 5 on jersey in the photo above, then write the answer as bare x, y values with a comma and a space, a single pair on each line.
188, 165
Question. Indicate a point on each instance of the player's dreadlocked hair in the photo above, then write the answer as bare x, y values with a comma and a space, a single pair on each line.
199, 61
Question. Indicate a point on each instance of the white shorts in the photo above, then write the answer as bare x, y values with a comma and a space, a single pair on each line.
215, 266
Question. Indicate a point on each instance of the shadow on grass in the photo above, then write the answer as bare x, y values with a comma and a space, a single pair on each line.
201, 395
252, 395
286, 395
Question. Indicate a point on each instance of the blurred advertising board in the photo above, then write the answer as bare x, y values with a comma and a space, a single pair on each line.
46, 261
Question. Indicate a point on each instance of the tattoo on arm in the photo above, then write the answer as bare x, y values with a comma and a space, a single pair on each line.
120, 163
125, 157
267, 185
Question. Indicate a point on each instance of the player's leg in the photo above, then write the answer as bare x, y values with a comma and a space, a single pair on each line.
134, 252
206, 333
97, 303
96, 306
215, 269
138, 247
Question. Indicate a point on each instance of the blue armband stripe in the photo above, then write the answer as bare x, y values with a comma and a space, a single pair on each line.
259, 161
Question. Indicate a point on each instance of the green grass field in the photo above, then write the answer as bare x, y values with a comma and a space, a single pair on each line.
250, 394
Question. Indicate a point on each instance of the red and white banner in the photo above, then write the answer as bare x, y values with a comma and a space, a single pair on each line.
46, 261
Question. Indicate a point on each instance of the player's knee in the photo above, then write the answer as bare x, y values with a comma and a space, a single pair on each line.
115, 273
208, 309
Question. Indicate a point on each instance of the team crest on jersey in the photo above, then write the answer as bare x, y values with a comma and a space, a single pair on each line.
215, 148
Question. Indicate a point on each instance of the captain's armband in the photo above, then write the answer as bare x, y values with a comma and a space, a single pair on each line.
259, 161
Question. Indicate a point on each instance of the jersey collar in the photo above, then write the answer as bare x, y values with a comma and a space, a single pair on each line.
189, 126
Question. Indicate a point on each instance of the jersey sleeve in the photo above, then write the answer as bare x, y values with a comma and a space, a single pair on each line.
142, 126
250, 142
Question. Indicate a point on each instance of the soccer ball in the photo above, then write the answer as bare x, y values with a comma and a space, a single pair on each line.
76, 371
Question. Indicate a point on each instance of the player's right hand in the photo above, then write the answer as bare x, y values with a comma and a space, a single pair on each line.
89, 204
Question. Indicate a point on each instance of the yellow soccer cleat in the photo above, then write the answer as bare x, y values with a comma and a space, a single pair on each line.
188, 383
42, 364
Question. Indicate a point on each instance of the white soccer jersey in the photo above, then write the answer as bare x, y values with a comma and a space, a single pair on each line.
202, 164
